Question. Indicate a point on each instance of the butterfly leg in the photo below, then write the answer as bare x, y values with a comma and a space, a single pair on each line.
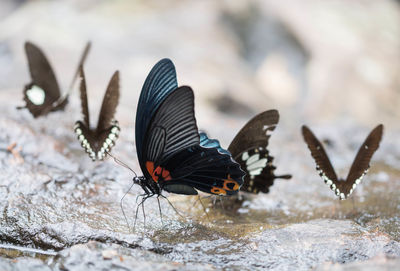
204, 209
122, 208
222, 202
144, 213
176, 211
159, 208
145, 197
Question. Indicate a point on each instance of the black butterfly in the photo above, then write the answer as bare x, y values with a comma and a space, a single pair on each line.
249, 149
343, 188
43, 95
98, 141
168, 142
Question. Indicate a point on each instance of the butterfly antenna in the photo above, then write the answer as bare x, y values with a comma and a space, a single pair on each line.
119, 162
81, 61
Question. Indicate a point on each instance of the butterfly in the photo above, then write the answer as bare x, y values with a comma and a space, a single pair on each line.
97, 142
42, 95
249, 149
168, 142
343, 187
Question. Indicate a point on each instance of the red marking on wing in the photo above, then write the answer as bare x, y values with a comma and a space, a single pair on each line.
158, 172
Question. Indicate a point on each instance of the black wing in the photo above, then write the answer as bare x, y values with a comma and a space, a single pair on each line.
249, 149
255, 133
160, 82
84, 99
44, 90
324, 165
172, 129
360, 165
205, 169
173, 157
110, 102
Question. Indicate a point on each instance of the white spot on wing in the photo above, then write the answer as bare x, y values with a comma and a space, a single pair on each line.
245, 156
255, 172
257, 164
36, 95
253, 159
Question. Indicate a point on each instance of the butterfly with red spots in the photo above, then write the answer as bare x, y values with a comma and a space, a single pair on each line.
168, 142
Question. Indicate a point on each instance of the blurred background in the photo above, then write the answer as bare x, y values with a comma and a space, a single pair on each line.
315, 61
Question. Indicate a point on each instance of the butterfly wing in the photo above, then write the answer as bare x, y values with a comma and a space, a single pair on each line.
173, 127
84, 100
360, 165
206, 169
249, 149
160, 82
97, 142
110, 102
255, 133
173, 158
44, 90
324, 165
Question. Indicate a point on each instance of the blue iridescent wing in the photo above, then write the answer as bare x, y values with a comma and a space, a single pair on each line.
211, 143
160, 82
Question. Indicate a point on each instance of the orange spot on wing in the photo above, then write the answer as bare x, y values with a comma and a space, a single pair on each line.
218, 191
230, 181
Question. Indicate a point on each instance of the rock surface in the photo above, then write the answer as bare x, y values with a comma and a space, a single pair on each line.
60, 211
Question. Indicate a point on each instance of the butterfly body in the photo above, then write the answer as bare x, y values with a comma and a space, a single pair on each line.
168, 142
42, 95
343, 188
99, 140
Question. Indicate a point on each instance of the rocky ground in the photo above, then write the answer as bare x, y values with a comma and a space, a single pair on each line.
327, 64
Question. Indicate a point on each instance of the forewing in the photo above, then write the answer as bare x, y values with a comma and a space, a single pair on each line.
84, 100
41, 73
160, 82
172, 128
324, 165
110, 102
255, 133
249, 149
360, 165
